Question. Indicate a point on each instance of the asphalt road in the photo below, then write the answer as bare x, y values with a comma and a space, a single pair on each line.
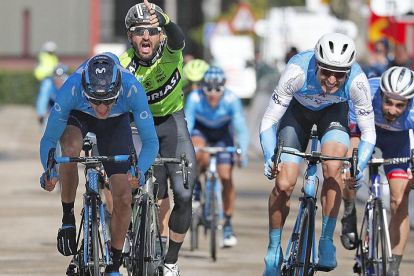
30, 216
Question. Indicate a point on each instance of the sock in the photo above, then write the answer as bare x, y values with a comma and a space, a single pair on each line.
349, 207
273, 257
328, 227
227, 220
116, 260
172, 255
68, 213
395, 265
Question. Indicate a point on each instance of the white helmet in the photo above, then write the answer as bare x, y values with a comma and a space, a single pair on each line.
335, 52
49, 46
398, 83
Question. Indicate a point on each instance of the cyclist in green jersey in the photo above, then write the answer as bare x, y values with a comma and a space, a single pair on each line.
156, 60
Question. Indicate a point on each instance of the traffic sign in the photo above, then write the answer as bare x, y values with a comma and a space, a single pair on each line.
243, 19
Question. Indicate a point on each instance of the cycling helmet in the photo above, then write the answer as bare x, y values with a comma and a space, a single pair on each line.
139, 14
195, 69
60, 70
335, 52
398, 83
101, 78
214, 77
49, 46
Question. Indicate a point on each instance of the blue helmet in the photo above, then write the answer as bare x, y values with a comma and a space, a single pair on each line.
214, 77
102, 78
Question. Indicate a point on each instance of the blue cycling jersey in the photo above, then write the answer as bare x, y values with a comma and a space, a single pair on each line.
229, 110
404, 122
47, 94
132, 97
299, 80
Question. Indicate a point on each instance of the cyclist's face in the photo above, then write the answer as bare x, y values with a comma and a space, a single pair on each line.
392, 108
330, 81
102, 111
145, 44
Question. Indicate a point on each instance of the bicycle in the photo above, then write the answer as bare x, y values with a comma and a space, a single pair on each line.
141, 258
92, 255
374, 247
213, 214
301, 252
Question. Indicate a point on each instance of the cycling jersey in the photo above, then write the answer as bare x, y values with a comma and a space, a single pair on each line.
299, 80
131, 97
160, 77
404, 122
229, 110
46, 97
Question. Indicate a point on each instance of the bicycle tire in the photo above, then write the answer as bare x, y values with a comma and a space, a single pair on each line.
95, 236
380, 255
364, 243
194, 229
213, 219
143, 233
303, 248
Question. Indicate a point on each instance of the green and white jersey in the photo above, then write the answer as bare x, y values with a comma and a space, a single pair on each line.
161, 78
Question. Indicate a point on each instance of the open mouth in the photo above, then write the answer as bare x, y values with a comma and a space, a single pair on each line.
145, 48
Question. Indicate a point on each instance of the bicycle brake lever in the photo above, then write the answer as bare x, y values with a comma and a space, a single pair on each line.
354, 163
184, 169
51, 162
278, 152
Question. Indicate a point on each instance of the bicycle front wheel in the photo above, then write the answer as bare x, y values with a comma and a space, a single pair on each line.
95, 237
379, 242
303, 248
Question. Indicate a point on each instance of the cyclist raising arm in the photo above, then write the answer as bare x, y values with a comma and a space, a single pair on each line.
393, 109
97, 98
211, 111
314, 89
156, 61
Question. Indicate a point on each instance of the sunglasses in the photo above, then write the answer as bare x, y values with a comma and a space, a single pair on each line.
140, 31
216, 90
329, 73
105, 102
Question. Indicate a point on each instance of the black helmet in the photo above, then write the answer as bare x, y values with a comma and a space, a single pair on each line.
139, 14
101, 78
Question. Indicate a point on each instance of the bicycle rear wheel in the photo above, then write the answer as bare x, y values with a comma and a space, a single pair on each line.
194, 228
380, 250
142, 247
94, 237
301, 261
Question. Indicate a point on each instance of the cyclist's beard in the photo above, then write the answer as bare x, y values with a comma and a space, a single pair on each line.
146, 57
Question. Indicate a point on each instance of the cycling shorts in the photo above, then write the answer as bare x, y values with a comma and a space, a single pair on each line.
296, 124
113, 137
217, 137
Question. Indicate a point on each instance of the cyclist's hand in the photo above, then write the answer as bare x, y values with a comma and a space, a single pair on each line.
410, 177
134, 181
49, 185
243, 160
157, 19
353, 183
269, 169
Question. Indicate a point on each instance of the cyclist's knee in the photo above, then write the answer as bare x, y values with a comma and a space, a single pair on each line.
71, 148
331, 169
123, 199
284, 187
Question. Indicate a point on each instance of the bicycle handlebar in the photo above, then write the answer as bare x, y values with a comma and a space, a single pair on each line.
316, 157
215, 150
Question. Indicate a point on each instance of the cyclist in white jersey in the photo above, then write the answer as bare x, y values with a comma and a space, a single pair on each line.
314, 89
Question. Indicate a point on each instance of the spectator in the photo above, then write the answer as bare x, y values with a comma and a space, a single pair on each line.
401, 57
380, 60
293, 51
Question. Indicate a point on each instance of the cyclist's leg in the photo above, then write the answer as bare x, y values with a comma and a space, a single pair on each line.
161, 178
114, 137
334, 130
399, 226
174, 139
199, 139
295, 131
71, 143
349, 233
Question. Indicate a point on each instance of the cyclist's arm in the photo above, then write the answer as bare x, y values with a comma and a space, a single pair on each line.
65, 101
360, 95
240, 124
291, 81
176, 39
190, 109
145, 125
46, 87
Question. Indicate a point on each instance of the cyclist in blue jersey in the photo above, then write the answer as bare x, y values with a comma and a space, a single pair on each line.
392, 95
97, 98
212, 111
48, 92
314, 89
